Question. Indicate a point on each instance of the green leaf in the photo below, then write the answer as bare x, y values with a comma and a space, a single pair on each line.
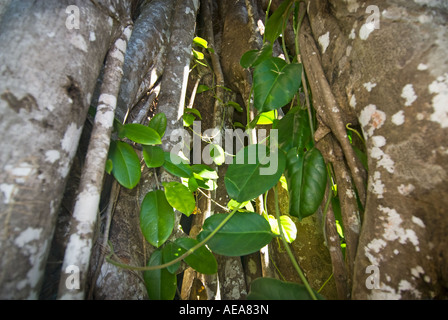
198, 55
188, 119
217, 154
141, 134
194, 111
202, 88
177, 166
170, 252
275, 22
267, 117
253, 58
200, 42
243, 234
204, 171
126, 164
289, 227
294, 130
154, 156
307, 177
192, 184
201, 260
160, 284
109, 166
274, 289
275, 83
180, 197
235, 105
156, 218
253, 172
158, 123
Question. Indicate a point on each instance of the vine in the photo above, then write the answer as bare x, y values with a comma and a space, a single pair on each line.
298, 163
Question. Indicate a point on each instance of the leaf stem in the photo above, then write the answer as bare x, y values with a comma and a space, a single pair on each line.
288, 250
186, 254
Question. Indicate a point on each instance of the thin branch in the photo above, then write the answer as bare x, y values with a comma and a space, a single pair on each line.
85, 212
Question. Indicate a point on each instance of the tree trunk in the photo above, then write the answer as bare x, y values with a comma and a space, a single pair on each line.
46, 90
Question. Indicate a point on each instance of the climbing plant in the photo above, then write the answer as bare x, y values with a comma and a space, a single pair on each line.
276, 83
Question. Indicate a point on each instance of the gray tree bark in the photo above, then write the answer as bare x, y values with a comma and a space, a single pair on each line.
388, 79
45, 90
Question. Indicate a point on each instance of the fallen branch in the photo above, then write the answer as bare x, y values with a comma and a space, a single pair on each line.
85, 212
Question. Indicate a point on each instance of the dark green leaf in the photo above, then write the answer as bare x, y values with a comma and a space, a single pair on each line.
192, 184
170, 252
177, 166
141, 134
160, 284
274, 289
253, 58
251, 174
179, 197
275, 22
202, 88
194, 111
307, 177
202, 260
154, 156
156, 218
293, 130
235, 105
126, 164
243, 234
158, 123
275, 83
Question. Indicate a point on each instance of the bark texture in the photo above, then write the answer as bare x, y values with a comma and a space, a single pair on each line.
45, 91
394, 80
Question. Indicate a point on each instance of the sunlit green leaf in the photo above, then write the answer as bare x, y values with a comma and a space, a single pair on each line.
267, 117
204, 171
200, 42
179, 197
217, 154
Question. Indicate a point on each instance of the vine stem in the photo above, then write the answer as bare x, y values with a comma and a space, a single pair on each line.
182, 257
288, 250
